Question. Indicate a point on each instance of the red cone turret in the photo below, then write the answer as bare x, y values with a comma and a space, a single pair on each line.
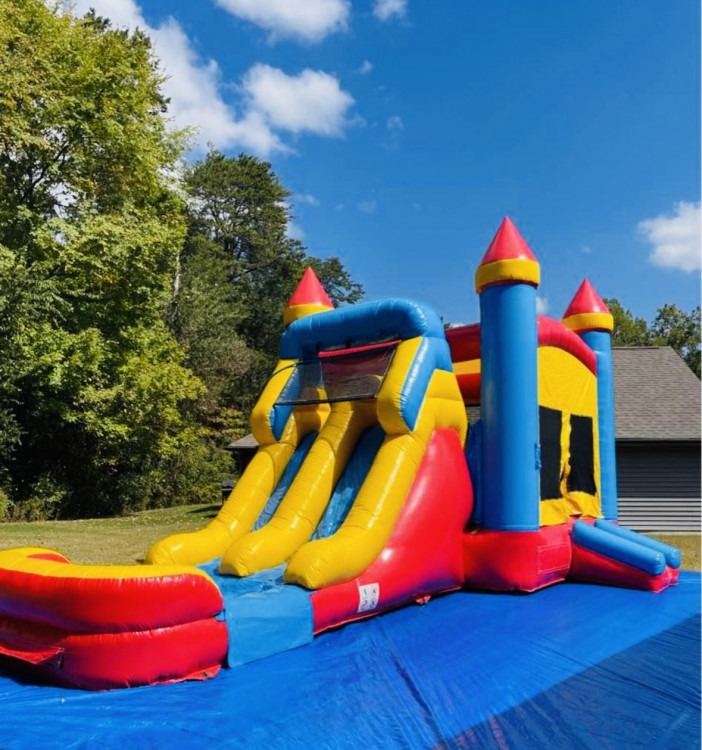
508, 259
308, 298
587, 311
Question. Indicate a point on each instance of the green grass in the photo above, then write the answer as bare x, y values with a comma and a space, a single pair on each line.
689, 546
121, 540
126, 540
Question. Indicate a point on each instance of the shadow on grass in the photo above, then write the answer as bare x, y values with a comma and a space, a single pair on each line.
209, 511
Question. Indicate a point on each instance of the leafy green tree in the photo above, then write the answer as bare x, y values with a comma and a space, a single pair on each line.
336, 280
671, 327
680, 330
94, 396
240, 258
628, 329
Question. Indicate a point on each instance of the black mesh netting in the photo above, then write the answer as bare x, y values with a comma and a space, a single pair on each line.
338, 377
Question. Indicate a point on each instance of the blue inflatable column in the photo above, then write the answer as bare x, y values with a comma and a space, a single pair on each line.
506, 280
590, 318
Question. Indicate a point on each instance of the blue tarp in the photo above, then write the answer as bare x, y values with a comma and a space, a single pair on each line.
573, 666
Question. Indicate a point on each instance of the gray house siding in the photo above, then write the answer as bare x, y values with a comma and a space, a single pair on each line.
659, 485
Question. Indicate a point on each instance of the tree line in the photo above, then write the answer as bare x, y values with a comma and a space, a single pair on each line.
140, 301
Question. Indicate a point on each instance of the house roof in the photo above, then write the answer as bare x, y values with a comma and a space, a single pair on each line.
248, 442
657, 396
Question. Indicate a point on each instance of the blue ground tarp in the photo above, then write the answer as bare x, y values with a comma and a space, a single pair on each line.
574, 666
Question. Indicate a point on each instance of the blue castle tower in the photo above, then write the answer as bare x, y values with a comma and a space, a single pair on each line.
588, 316
506, 280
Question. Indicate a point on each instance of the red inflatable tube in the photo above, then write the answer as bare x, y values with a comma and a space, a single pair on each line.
101, 661
469, 385
108, 626
464, 341
108, 603
554, 333
423, 554
596, 568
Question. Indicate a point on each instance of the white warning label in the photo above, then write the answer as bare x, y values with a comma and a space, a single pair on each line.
368, 597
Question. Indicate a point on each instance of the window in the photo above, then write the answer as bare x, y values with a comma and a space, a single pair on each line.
582, 463
550, 438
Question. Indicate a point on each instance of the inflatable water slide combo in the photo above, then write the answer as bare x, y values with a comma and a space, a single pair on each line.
369, 491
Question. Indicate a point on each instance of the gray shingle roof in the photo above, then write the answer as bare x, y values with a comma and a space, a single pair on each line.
248, 442
657, 396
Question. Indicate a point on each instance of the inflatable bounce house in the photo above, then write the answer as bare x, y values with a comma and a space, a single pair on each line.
369, 490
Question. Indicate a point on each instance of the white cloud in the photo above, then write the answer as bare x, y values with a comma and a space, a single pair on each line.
192, 84
586, 249
294, 231
306, 21
387, 9
272, 101
676, 239
307, 198
339, 207
541, 305
311, 102
365, 67
193, 88
367, 207
394, 126
252, 133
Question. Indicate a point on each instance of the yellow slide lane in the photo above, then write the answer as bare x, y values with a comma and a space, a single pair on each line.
367, 528
304, 503
364, 533
236, 517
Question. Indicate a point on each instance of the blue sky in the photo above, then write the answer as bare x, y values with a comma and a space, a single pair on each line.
407, 129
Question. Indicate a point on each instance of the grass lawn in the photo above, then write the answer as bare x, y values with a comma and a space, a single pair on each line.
122, 540
688, 544
127, 539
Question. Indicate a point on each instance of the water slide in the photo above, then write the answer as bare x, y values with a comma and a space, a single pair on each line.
359, 498
379, 369
359, 492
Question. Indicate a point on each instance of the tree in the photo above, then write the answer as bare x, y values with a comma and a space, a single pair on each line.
680, 330
671, 327
628, 329
336, 280
237, 235
94, 394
